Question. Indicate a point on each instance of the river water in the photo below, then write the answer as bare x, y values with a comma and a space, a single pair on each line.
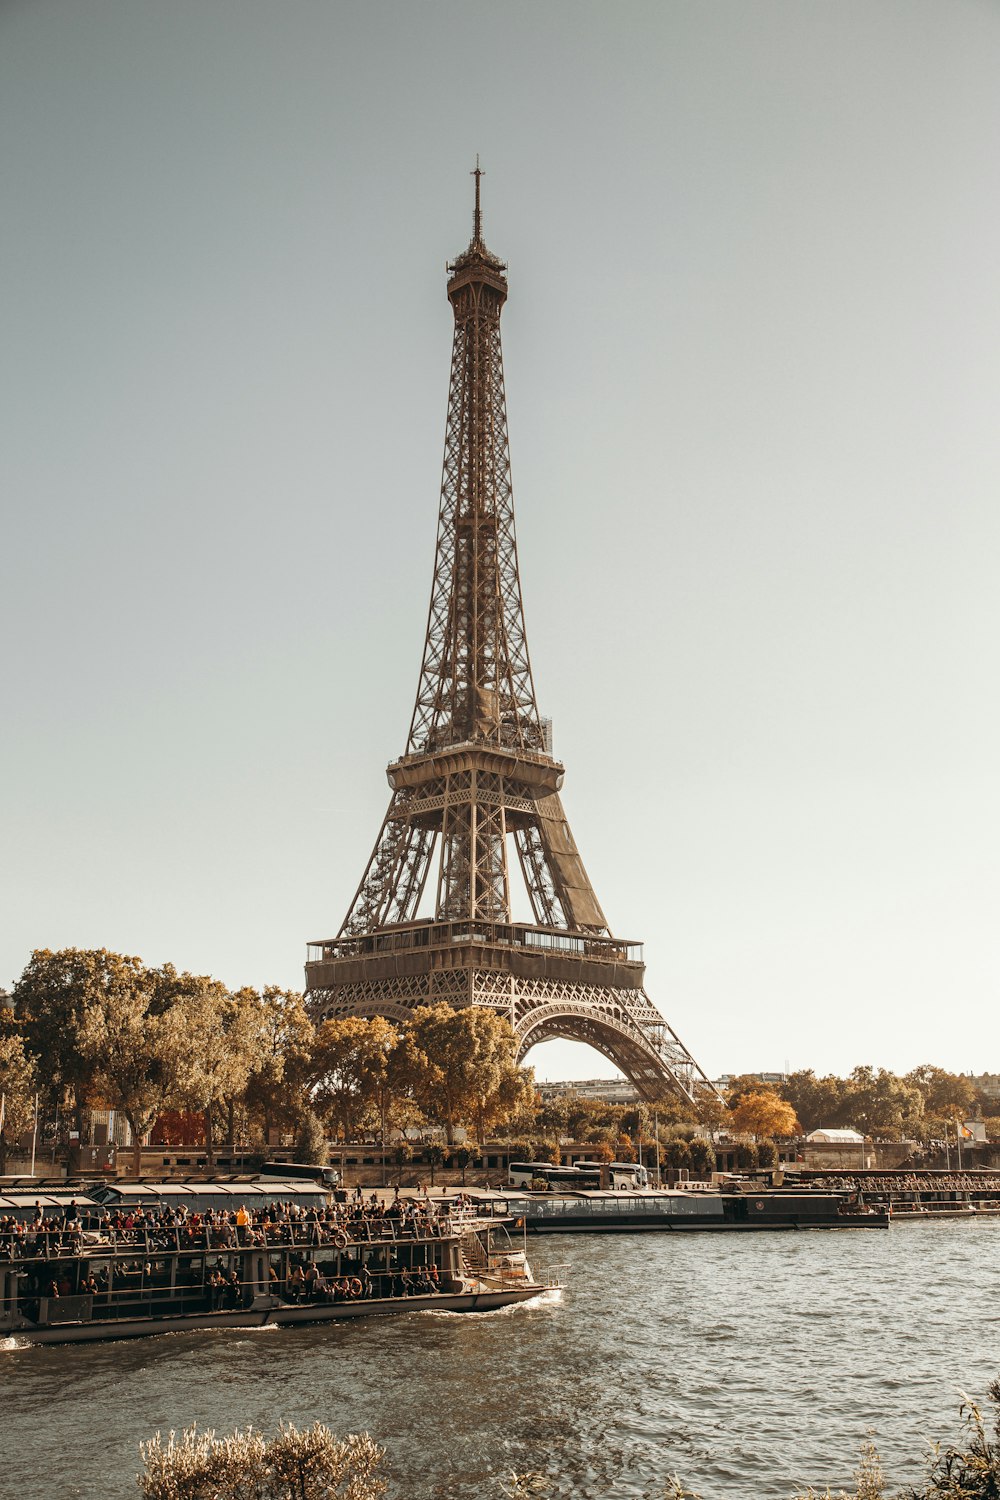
748, 1365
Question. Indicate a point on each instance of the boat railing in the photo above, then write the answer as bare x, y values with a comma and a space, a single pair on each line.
61, 1244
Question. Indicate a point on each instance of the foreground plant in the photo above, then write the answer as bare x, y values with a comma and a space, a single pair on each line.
966, 1471
310, 1465
869, 1480
971, 1472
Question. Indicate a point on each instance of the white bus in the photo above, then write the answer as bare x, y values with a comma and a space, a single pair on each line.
618, 1174
545, 1175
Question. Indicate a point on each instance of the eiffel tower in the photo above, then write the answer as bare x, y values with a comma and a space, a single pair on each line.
478, 775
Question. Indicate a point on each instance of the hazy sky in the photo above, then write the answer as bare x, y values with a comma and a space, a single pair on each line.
752, 352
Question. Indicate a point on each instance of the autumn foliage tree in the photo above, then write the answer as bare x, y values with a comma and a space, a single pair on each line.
764, 1115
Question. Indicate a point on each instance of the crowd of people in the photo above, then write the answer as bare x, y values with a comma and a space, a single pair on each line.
175, 1227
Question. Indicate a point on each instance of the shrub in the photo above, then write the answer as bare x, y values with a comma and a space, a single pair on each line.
767, 1154
746, 1155
677, 1153
702, 1157
310, 1465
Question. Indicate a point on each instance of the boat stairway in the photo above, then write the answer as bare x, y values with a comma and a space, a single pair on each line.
473, 1254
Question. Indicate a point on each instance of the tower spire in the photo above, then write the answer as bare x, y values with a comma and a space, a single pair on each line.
477, 219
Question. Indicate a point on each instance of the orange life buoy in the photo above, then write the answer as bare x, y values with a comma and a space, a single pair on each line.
355, 1286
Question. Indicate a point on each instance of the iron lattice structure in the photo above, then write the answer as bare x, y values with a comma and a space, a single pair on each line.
478, 777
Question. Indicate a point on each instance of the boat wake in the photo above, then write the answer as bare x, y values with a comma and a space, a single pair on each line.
11, 1344
550, 1297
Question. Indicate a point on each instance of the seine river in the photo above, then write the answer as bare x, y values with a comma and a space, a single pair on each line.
748, 1365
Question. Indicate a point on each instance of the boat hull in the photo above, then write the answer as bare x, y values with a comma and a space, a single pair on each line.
283, 1315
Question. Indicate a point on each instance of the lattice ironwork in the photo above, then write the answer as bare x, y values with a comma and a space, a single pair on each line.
477, 772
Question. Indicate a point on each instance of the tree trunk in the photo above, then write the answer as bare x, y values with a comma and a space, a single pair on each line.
231, 1123
209, 1143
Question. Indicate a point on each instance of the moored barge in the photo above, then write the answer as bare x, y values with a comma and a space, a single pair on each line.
683, 1212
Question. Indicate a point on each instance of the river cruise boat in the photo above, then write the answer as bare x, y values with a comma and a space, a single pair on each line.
71, 1271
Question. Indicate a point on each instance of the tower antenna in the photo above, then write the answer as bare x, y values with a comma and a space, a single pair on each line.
477, 220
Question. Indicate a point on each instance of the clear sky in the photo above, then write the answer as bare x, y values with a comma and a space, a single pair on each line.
752, 352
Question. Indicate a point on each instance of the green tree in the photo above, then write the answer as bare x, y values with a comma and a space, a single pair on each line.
277, 1091
351, 1071
310, 1140
878, 1103
464, 1158
701, 1158
50, 999
816, 1101
460, 1066
133, 1033
216, 1046
241, 1027
435, 1156
949, 1096
676, 1153
17, 1092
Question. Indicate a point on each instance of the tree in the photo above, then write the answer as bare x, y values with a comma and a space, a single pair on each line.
17, 1092
216, 1050
676, 1153
878, 1103
950, 1096
50, 999
277, 1089
746, 1156
464, 1157
459, 1065
132, 1031
767, 1154
435, 1155
702, 1157
513, 1096
310, 1465
350, 1071
241, 1026
743, 1083
601, 1151
310, 1140
763, 1113
816, 1101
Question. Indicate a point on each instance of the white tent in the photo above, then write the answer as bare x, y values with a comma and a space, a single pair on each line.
836, 1137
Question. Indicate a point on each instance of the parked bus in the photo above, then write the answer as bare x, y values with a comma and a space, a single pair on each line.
618, 1174
544, 1175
